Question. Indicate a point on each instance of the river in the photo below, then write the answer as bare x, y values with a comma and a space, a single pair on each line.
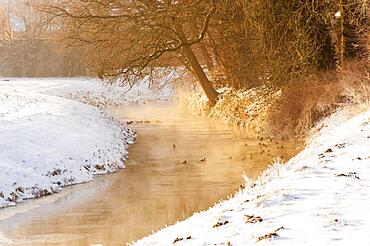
179, 164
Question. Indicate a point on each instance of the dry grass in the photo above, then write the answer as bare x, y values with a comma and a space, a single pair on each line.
247, 108
356, 84
305, 102
302, 104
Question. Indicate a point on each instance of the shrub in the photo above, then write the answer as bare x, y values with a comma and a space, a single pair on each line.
356, 83
305, 102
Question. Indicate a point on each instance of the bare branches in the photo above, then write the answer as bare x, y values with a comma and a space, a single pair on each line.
124, 38
205, 25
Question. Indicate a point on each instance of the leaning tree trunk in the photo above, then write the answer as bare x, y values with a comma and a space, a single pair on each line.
197, 70
208, 89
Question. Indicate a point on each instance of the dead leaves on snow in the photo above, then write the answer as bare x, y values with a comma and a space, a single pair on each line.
329, 150
348, 175
218, 224
180, 239
271, 234
252, 219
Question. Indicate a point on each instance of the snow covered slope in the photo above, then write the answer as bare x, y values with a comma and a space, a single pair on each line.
90, 91
48, 141
320, 197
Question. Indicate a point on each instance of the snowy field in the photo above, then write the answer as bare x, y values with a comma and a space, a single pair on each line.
51, 138
320, 197
89, 91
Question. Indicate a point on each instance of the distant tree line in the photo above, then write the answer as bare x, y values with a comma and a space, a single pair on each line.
39, 58
29, 47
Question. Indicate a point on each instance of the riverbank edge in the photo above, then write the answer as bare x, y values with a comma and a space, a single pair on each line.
113, 154
279, 112
247, 108
306, 201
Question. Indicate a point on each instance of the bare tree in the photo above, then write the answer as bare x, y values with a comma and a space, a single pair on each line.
128, 39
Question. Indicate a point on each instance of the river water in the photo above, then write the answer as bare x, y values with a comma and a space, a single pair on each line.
179, 164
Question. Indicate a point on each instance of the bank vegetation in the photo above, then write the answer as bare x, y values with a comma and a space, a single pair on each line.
277, 66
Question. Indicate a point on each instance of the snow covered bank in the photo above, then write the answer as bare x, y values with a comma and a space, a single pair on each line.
49, 141
90, 91
320, 197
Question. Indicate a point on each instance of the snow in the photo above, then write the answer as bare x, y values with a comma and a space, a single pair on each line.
320, 197
51, 138
91, 91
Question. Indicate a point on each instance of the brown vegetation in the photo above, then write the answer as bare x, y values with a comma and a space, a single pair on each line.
302, 104
301, 48
291, 110
307, 101
285, 61
125, 39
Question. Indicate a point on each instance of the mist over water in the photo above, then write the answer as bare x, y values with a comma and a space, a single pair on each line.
156, 188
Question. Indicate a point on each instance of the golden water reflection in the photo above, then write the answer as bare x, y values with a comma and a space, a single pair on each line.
156, 187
